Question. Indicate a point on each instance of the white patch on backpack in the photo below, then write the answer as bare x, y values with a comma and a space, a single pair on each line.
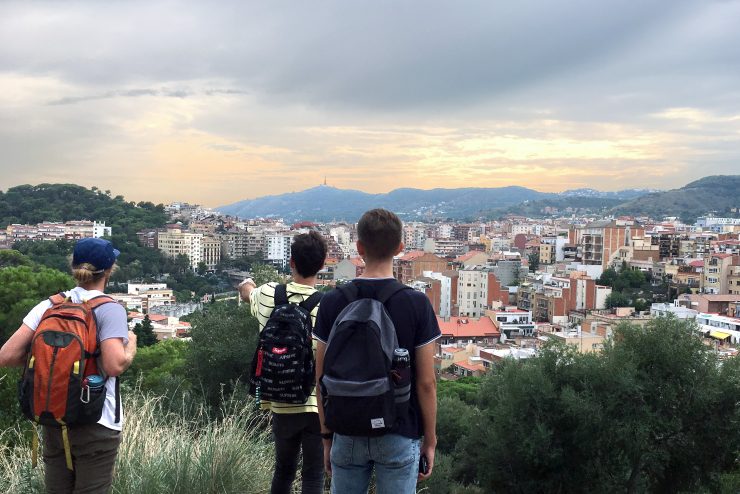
377, 423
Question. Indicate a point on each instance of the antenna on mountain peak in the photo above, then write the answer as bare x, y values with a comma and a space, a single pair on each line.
324, 179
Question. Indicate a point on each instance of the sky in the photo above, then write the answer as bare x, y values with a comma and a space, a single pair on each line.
215, 102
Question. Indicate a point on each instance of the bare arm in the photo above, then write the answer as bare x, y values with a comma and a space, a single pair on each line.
14, 351
426, 389
246, 288
116, 357
320, 351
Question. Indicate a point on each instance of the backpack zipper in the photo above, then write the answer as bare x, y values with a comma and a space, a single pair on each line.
51, 374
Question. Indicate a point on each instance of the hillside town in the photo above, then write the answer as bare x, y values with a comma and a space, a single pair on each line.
499, 288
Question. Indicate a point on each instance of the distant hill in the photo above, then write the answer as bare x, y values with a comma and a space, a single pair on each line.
324, 203
64, 202
713, 194
710, 194
619, 195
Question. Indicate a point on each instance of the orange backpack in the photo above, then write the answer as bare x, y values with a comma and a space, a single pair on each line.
63, 353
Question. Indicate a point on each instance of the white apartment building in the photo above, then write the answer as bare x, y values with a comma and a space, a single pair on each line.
277, 248
472, 291
445, 295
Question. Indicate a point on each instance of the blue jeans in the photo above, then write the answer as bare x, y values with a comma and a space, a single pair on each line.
395, 459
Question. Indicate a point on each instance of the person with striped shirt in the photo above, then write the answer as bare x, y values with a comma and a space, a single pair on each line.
294, 427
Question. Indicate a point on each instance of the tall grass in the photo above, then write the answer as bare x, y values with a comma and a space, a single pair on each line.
165, 452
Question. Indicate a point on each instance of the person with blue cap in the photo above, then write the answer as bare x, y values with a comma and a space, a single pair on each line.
82, 457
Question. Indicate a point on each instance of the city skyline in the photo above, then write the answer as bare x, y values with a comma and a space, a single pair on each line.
168, 101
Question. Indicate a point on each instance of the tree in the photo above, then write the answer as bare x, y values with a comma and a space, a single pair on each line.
617, 299
264, 273
202, 268
224, 337
145, 333
160, 368
534, 261
12, 258
21, 288
632, 419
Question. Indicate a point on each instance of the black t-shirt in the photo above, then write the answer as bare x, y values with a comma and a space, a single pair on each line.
415, 323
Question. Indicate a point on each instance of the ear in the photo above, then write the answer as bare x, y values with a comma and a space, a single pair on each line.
360, 248
401, 246
292, 264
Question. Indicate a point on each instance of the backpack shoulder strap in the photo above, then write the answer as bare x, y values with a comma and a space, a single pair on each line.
57, 299
96, 302
350, 291
311, 302
391, 289
281, 295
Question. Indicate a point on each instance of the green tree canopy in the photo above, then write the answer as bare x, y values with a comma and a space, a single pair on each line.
655, 412
144, 333
21, 288
224, 337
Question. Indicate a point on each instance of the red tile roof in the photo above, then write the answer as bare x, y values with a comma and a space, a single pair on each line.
471, 367
697, 264
414, 254
468, 255
465, 327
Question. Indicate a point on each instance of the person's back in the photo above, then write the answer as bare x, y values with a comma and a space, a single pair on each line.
394, 456
81, 457
295, 425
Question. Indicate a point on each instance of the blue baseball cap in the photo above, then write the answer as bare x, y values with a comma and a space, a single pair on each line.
96, 251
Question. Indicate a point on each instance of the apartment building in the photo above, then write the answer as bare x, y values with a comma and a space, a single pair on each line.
478, 289
211, 252
412, 265
733, 280
174, 242
277, 248
715, 276
604, 243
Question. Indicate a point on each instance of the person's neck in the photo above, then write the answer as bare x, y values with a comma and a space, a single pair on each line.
310, 281
378, 269
99, 286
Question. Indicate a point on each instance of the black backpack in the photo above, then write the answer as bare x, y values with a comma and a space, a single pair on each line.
283, 367
359, 395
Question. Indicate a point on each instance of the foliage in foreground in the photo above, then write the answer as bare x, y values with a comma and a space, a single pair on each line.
656, 412
167, 453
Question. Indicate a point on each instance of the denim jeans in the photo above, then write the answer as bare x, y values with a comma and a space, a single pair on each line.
293, 433
395, 459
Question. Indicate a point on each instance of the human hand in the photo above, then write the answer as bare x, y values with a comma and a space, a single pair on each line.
427, 450
327, 456
131, 345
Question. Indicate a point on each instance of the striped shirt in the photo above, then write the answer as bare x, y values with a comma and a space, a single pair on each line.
262, 302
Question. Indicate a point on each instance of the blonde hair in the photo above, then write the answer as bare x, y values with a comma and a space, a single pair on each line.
87, 273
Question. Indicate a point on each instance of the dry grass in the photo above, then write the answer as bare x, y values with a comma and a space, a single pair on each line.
168, 453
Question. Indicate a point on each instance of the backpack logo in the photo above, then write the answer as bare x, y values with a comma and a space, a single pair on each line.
378, 423
280, 351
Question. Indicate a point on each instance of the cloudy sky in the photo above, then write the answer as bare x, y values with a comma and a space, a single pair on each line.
213, 102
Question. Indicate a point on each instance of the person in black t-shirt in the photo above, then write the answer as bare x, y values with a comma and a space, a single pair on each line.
395, 456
